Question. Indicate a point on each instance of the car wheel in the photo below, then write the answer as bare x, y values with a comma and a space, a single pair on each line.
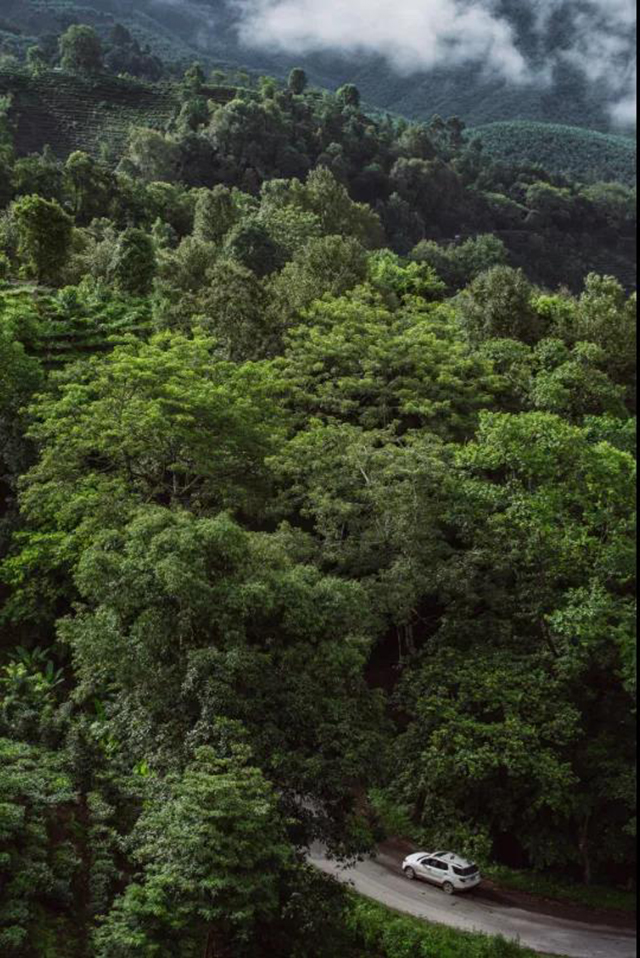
448, 888
410, 874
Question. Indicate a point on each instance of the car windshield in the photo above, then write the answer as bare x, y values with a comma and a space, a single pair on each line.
465, 872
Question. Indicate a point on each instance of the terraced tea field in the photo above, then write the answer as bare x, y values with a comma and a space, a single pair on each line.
582, 154
64, 329
69, 112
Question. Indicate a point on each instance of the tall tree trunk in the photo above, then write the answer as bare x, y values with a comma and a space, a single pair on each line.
217, 945
584, 850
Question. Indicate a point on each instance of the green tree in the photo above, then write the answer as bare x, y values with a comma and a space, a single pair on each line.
151, 156
81, 50
44, 233
250, 243
323, 195
547, 520
36, 60
194, 79
494, 731
90, 186
298, 81
211, 848
215, 214
349, 95
133, 267
37, 860
247, 630
330, 265
233, 308
459, 265
499, 305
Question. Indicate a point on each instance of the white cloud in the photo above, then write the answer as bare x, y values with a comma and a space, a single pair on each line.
416, 35
412, 34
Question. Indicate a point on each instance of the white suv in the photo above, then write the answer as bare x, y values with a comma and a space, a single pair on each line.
445, 869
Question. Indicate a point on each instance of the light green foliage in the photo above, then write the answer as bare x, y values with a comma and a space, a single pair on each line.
170, 420
390, 935
388, 273
356, 360
573, 382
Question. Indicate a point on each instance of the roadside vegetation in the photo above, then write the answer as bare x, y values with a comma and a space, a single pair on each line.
599, 897
385, 934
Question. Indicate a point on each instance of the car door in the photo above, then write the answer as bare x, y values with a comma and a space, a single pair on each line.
431, 871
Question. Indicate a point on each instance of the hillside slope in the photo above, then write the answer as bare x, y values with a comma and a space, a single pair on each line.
69, 112
586, 155
207, 29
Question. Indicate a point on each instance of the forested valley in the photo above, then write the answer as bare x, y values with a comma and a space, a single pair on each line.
317, 474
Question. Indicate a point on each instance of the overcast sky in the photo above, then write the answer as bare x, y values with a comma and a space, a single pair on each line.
419, 34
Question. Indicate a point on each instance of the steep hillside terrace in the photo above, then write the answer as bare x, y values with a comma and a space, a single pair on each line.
70, 112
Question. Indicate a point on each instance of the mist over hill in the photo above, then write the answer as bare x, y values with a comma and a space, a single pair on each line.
561, 61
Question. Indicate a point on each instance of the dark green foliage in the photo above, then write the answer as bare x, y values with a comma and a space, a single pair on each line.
36, 871
300, 539
43, 234
584, 155
211, 850
349, 95
134, 263
459, 264
298, 81
251, 245
498, 305
81, 50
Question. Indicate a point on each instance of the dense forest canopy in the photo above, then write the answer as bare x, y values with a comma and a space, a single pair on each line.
317, 461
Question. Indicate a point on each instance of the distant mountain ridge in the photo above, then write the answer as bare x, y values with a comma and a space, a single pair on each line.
206, 29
